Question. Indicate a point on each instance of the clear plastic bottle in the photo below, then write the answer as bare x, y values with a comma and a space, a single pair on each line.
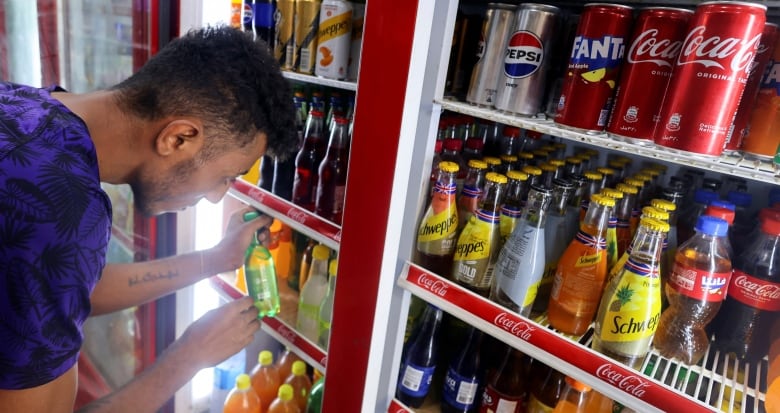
260, 275
285, 362
520, 263
326, 308
313, 293
242, 398
437, 233
695, 290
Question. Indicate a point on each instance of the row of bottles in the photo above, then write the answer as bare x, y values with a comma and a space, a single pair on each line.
315, 303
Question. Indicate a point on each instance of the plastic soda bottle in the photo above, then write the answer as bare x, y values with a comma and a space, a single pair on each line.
695, 289
314, 403
506, 390
631, 305
285, 362
437, 233
753, 301
326, 308
574, 398
332, 182
479, 242
582, 271
520, 263
265, 379
463, 376
472, 190
308, 160
419, 359
284, 401
300, 383
260, 274
313, 293
242, 399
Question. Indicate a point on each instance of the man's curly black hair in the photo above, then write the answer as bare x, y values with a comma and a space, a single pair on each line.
221, 76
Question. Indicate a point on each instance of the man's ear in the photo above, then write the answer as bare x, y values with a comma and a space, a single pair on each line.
180, 136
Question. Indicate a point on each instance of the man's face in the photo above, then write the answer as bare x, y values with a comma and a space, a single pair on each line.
171, 188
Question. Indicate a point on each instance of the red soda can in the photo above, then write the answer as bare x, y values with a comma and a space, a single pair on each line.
655, 43
594, 65
709, 77
749, 96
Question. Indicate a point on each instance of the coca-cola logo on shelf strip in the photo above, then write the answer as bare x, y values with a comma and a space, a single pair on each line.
648, 48
324, 360
433, 284
286, 333
296, 215
256, 194
713, 51
630, 383
518, 328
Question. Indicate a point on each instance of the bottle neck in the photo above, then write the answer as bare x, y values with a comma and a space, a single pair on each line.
597, 218
514, 193
339, 136
445, 184
319, 267
491, 199
647, 244
535, 211
576, 197
313, 130
475, 178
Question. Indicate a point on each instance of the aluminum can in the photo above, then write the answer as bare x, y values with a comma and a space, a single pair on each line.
527, 53
307, 21
356, 44
588, 88
742, 119
763, 136
656, 41
709, 77
334, 39
484, 77
284, 44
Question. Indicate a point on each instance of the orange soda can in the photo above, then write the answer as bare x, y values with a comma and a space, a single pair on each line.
764, 134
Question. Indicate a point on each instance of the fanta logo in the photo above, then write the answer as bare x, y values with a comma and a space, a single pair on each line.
771, 75
524, 55
713, 51
597, 53
631, 384
649, 48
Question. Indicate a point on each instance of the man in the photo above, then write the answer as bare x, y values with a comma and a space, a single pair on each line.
182, 128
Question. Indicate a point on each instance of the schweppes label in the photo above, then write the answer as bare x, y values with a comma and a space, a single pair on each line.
472, 253
439, 226
634, 306
338, 25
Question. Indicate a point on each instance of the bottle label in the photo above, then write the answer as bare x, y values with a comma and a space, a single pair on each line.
472, 253
510, 217
755, 292
536, 406
589, 241
494, 401
520, 265
699, 284
634, 306
440, 224
416, 380
459, 391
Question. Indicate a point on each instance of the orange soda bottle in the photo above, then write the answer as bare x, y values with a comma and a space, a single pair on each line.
582, 271
265, 379
242, 398
284, 402
285, 259
300, 383
285, 363
574, 398
275, 231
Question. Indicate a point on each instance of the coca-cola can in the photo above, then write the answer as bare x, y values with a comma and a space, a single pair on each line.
594, 66
527, 52
749, 96
655, 43
709, 77
484, 77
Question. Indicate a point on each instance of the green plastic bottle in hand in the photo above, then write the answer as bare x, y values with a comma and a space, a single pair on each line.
260, 274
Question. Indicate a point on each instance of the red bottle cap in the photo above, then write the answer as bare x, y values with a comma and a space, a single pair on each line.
512, 131
438, 146
720, 212
771, 225
453, 145
475, 144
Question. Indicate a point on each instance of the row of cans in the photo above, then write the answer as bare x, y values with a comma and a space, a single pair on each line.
313, 37
684, 80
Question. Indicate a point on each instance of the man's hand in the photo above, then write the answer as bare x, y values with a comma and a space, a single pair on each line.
229, 253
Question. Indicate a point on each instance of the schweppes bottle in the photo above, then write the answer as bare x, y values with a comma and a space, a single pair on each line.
631, 305
334, 39
480, 241
437, 232
307, 20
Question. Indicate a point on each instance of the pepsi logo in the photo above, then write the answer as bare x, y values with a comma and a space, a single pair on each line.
524, 55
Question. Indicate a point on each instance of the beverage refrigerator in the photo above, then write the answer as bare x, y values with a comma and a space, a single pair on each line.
403, 91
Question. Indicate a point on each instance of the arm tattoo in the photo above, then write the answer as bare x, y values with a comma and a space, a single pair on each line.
150, 277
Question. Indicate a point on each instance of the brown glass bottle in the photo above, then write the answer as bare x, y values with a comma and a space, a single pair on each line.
437, 233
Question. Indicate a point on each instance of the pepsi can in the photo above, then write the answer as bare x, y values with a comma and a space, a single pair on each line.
527, 51
484, 77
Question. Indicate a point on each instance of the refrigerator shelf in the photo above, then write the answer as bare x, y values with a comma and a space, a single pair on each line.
301, 220
279, 327
736, 165
718, 381
340, 84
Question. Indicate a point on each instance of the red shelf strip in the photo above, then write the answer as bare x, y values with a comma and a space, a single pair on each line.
397, 407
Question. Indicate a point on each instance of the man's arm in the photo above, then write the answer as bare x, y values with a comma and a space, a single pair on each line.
213, 338
126, 285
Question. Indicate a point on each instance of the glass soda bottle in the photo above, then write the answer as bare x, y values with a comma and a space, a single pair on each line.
284, 401
260, 275
701, 198
242, 398
463, 377
437, 233
582, 271
753, 301
332, 182
265, 379
419, 359
472, 190
308, 160
512, 207
592, 186
546, 388
631, 305
574, 398
520, 263
695, 289
480, 241
572, 218
300, 384
612, 241
326, 308
555, 242
671, 238
623, 211
451, 153
313, 293
506, 390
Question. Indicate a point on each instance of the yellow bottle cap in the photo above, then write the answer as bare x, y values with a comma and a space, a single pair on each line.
559, 145
606, 171
650, 171
265, 358
593, 175
243, 381
321, 252
654, 224
663, 204
509, 158
635, 182
612, 193
492, 160
655, 213
333, 266
517, 175
477, 164
549, 148
495, 177
276, 226
541, 153
557, 162
449, 167
525, 155
573, 160
285, 392
532, 170
548, 167
616, 164
643, 177
298, 368
627, 189
602, 200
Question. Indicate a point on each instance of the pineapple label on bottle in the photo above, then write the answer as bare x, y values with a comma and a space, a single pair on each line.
471, 264
437, 234
633, 311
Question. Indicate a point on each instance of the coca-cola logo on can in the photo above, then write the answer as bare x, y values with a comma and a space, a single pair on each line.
725, 53
297, 215
629, 383
648, 47
517, 327
433, 284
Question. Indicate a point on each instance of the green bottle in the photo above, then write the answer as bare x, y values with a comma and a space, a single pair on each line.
260, 274
314, 404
